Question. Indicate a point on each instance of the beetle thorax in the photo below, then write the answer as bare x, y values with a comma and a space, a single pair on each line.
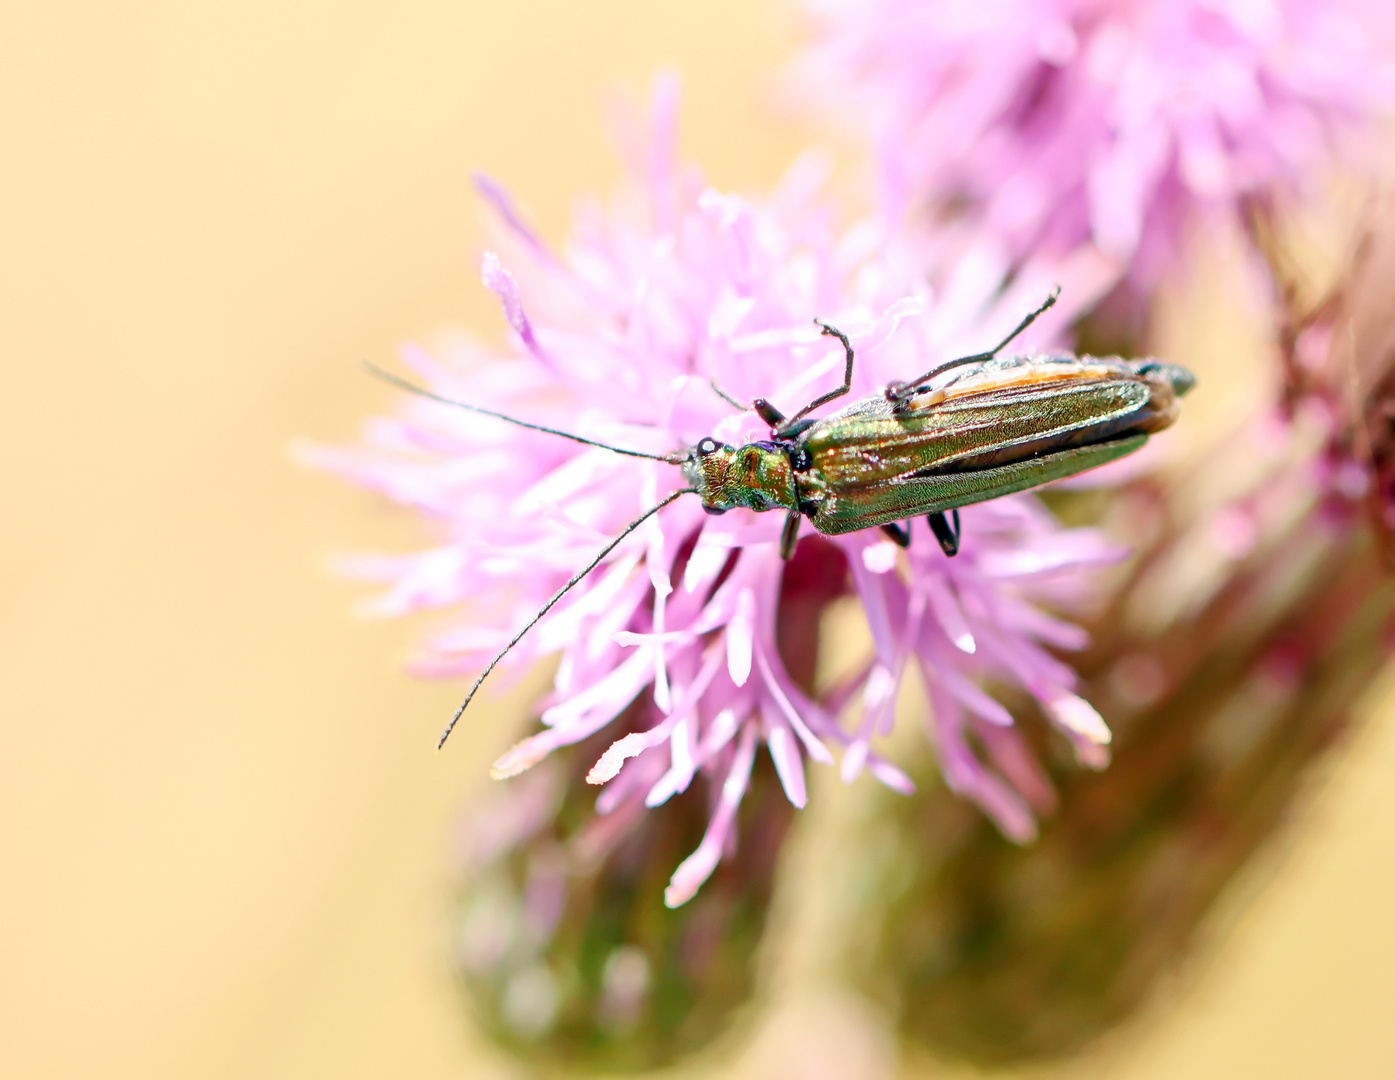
757, 476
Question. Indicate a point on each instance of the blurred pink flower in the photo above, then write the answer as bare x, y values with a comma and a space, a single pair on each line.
618, 340
1119, 122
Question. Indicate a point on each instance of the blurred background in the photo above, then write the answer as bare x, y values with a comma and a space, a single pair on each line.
224, 832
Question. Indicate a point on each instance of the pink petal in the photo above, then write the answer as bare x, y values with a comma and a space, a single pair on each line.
698, 866
788, 765
621, 750
500, 282
740, 638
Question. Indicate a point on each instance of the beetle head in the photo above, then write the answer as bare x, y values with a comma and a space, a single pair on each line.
757, 476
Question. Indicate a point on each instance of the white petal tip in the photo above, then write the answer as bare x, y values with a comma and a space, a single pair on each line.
608, 765
691, 873
853, 760
966, 643
680, 891
1078, 715
520, 758
819, 752
892, 777
788, 767
740, 638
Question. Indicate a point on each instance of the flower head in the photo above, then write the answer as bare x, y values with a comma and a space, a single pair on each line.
1120, 122
657, 309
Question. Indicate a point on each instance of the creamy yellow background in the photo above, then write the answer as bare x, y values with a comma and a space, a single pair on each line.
224, 832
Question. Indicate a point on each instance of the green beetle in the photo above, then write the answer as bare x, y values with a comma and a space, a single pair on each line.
967, 431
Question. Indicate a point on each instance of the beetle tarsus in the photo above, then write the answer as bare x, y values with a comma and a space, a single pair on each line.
900, 534
945, 533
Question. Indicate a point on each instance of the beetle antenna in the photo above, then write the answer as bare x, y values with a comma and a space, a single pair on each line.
631, 527
403, 384
716, 389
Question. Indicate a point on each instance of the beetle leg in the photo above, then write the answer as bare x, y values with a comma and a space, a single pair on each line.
900, 392
790, 537
824, 399
945, 533
767, 412
899, 533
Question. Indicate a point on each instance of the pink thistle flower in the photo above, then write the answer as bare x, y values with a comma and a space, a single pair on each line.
1120, 122
619, 340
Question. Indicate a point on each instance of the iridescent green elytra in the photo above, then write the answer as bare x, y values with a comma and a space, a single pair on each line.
965, 432
870, 464
968, 431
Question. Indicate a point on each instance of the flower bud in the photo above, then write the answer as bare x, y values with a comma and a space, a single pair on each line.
566, 949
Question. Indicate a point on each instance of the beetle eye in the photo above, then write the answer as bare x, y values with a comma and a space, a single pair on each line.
708, 445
